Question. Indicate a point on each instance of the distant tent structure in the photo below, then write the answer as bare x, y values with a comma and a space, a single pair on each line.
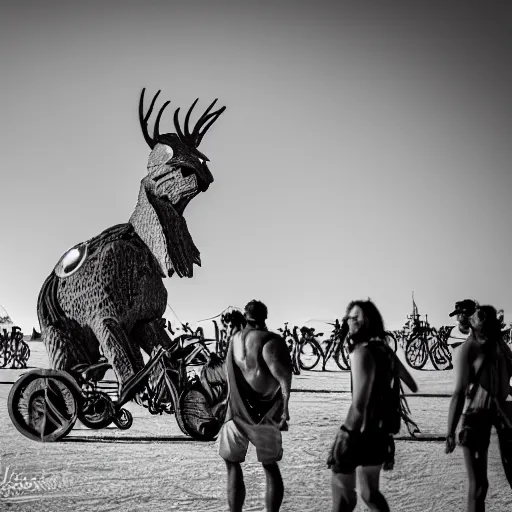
5, 320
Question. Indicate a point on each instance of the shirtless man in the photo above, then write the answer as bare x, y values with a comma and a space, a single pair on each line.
259, 373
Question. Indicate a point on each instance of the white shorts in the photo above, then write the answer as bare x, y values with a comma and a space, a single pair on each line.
235, 436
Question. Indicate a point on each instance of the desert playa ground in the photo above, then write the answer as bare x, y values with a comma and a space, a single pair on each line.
153, 467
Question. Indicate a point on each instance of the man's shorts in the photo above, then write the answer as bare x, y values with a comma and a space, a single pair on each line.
235, 436
475, 433
368, 449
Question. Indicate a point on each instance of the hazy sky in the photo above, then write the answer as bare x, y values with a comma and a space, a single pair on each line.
365, 149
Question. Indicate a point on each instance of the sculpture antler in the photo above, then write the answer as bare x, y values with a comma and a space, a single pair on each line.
191, 139
194, 138
144, 118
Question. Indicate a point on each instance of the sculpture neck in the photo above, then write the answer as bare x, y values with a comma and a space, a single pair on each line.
165, 233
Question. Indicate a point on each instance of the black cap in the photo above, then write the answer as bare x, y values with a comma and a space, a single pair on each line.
464, 307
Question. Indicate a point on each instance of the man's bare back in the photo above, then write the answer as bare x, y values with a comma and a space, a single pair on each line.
248, 348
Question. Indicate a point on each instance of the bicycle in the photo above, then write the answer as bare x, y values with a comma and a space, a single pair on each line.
424, 343
292, 341
45, 404
14, 352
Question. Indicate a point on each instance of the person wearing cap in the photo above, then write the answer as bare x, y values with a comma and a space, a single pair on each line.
482, 379
259, 374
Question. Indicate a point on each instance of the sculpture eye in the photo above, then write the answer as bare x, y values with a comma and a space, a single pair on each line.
169, 153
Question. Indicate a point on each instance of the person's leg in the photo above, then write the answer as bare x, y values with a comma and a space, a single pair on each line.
236, 486
476, 468
368, 478
232, 448
344, 496
275, 488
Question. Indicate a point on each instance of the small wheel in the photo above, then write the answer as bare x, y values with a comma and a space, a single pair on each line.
416, 353
123, 420
97, 410
440, 357
43, 408
309, 354
197, 416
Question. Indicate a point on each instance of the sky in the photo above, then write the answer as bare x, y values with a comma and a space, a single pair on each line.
364, 152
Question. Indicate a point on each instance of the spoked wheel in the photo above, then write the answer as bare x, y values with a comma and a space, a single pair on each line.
440, 356
43, 407
197, 416
341, 356
97, 410
309, 355
416, 353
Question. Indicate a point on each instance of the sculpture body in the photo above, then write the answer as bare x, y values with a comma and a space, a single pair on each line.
106, 295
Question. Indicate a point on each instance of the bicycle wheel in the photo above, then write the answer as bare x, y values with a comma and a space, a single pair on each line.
440, 356
309, 354
341, 357
123, 420
5, 356
41, 407
416, 353
20, 358
175, 397
97, 410
198, 419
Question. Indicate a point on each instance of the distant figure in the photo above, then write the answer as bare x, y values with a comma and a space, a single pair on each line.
459, 334
365, 439
482, 383
259, 373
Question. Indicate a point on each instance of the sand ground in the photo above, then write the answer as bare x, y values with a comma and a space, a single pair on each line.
153, 467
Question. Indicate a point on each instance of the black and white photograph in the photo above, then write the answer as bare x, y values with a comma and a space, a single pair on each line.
256, 256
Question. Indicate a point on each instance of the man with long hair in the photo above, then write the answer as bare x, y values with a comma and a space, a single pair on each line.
259, 373
364, 441
482, 381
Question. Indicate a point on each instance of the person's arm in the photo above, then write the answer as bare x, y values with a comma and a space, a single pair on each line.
405, 376
277, 357
462, 370
363, 375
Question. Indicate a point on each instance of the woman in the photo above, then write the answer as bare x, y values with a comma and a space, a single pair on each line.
363, 442
482, 380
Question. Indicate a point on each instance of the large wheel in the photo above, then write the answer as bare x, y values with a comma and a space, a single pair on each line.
416, 353
440, 356
310, 354
42, 407
197, 416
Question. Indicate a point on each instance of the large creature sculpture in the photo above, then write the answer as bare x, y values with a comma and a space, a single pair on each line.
106, 296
